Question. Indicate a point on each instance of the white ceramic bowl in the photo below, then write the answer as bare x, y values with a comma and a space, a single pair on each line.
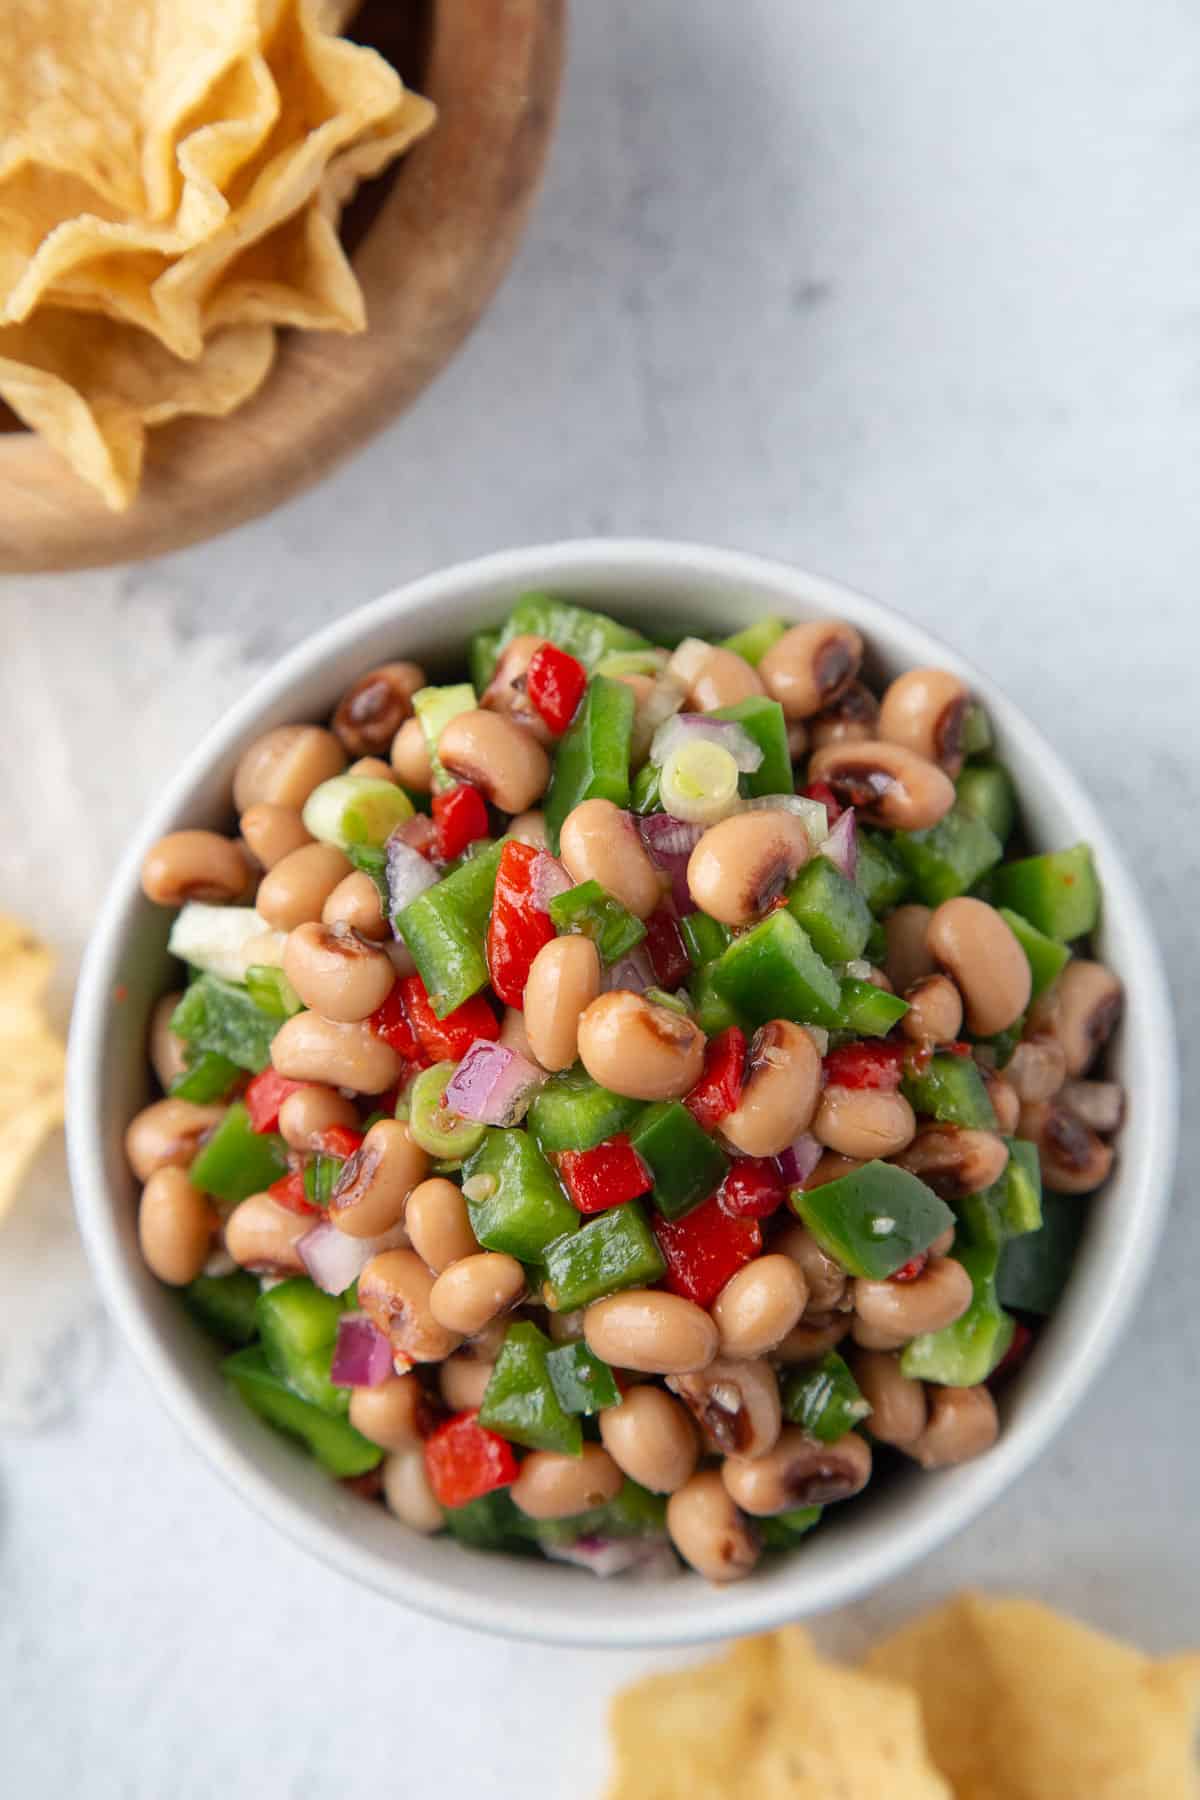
859, 1545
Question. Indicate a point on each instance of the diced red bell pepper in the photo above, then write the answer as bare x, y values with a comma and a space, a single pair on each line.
463, 1461
910, 1270
517, 929
1023, 1340
668, 955
875, 1065
289, 1192
392, 1023
753, 1188
555, 682
460, 817
958, 1049
704, 1248
339, 1140
821, 790
264, 1096
448, 1039
720, 1085
608, 1175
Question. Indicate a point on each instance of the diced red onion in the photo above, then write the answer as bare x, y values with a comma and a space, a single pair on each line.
362, 1355
725, 732
841, 846
408, 874
812, 812
633, 974
798, 1161
669, 844
604, 1556
419, 833
1100, 1105
547, 880
664, 700
335, 1260
493, 1084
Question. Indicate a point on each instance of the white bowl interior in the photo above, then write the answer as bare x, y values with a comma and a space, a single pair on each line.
685, 587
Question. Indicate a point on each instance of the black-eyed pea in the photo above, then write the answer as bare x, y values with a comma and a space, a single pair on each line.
926, 710
640, 1049
817, 1333
810, 665
600, 842
503, 760
935, 1011
885, 783
285, 765
709, 1531
394, 1290
969, 939
372, 710
194, 865
780, 1090
514, 1033
475, 1290
909, 959
407, 1493
309, 1048
1074, 1159
373, 768
168, 1053
296, 889
272, 832
651, 1331
262, 1236
463, 1381
852, 719
955, 1160
1006, 1102
395, 1414
903, 1310
824, 1277
508, 690
745, 862
554, 1486
863, 1123
799, 1471
758, 1306
309, 1111
651, 1438
438, 1224
374, 1184
735, 1403
355, 904
167, 1134
410, 757
963, 1423
337, 972
712, 676
563, 982
175, 1227
1087, 1001
898, 1407
530, 828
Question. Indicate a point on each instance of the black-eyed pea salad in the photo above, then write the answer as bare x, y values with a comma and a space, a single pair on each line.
629, 1099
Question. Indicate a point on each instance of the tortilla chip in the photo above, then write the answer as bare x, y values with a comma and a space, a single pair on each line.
1021, 1703
91, 387
32, 1056
771, 1721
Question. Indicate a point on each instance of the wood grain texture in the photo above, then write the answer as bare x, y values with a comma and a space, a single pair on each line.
431, 253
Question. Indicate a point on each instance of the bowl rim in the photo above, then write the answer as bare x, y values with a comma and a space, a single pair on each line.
743, 1607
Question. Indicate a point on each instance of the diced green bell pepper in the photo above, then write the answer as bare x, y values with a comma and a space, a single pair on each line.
873, 1220
763, 722
483, 653
1020, 1189
521, 1401
298, 1325
320, 1176
713, 1011
592, 761
446, 930
219, 1015
951, 1090
1034, 1269
948, 858
867, 1010
584, 634
976, 731
687, 1164
824, 1398
831, 909
645, 796
209, 1077
493, 1522
372, 861
1058, 892
650, 662
582, 1382
224, 1305
236, 1161
514, 1198
592, 913
435, 707
332, 1441
572, 1112
634, 1512
438, 1130
986, 791
784, 1530
614, 1250
703, 938
1047, 958
880, 876
965, 1353
772, 971
272, 992
754, 642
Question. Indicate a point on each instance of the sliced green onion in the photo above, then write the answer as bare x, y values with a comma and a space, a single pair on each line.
356, 809
632, 662
435, 707
435, 1126
699, 782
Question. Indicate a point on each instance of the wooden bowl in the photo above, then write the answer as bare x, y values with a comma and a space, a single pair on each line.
431, 241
